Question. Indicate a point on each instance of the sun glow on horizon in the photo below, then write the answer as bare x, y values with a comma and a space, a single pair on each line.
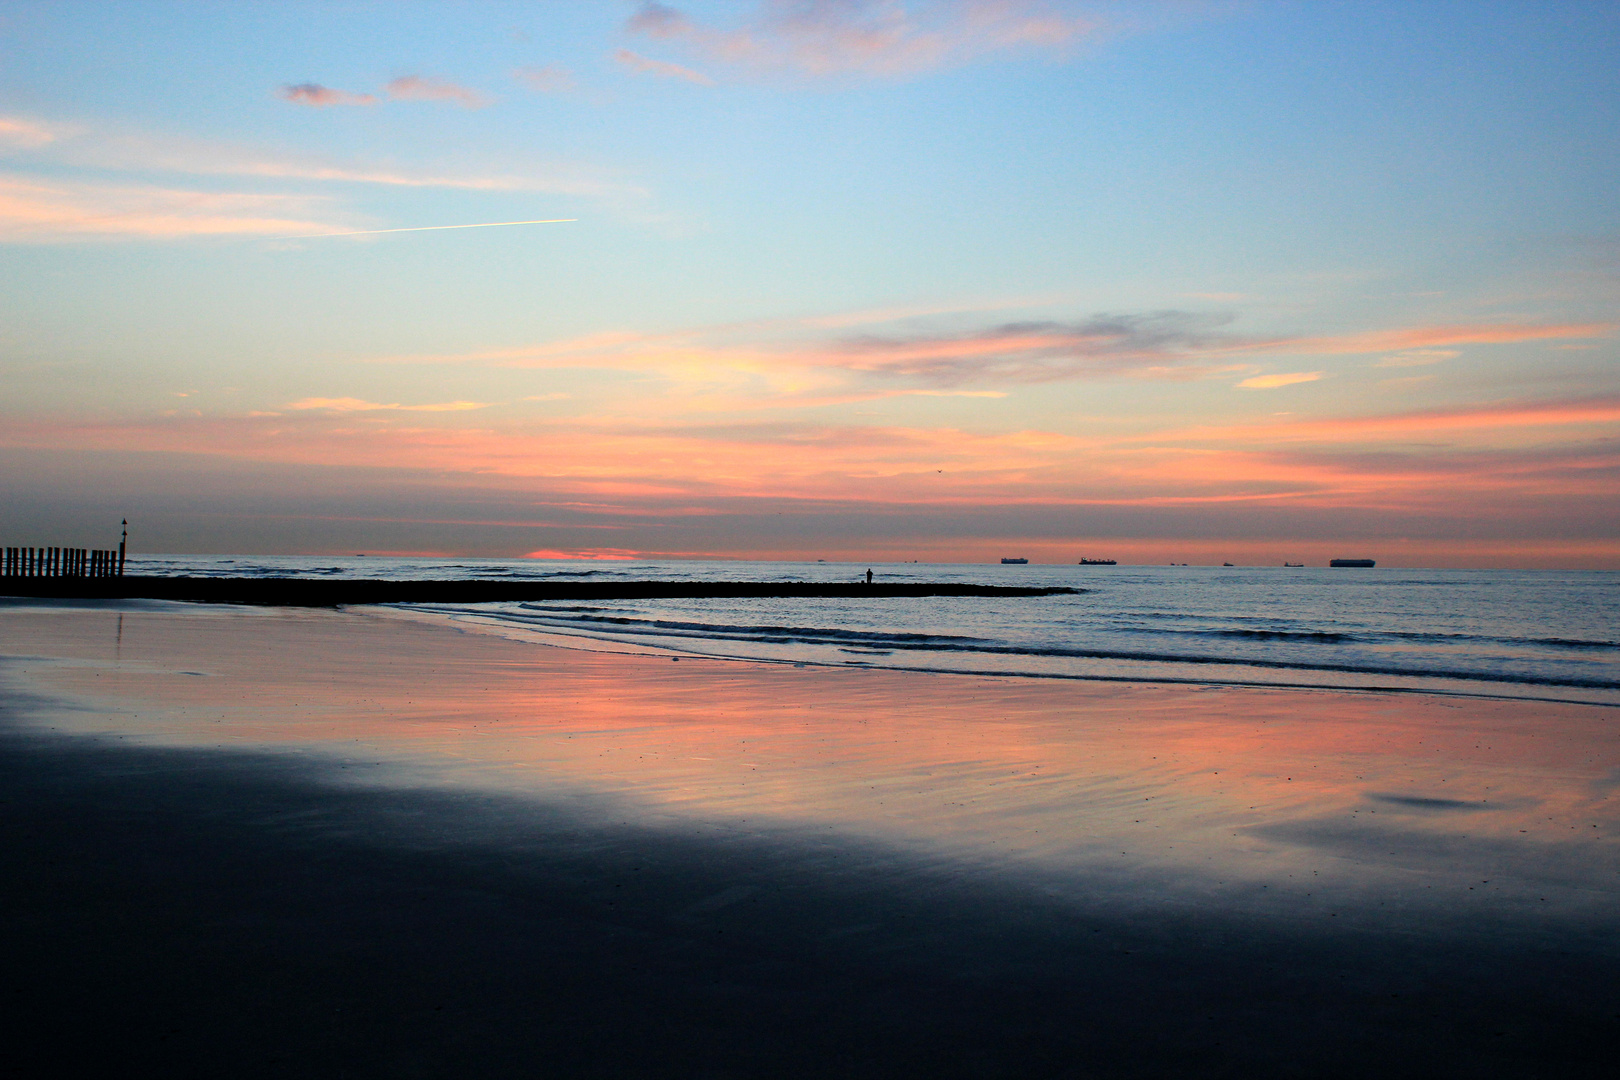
781, 324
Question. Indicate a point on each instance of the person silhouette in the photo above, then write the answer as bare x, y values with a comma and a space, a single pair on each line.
869, 577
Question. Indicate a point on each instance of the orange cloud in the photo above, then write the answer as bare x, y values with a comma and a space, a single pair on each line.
1423, 357
27, 134
34, 211
944, 466
1427, 421
1429, 337
657, 483
1271, 382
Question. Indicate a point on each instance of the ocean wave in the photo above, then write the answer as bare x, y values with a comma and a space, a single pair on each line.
629, 626
782, 634
1376, 637
1321, 637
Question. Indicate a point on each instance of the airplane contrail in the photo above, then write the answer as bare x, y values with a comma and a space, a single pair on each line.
428, 228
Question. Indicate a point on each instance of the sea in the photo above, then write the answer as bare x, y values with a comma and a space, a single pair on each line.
1528, 634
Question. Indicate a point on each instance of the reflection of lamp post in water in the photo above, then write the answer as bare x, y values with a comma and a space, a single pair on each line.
122, 542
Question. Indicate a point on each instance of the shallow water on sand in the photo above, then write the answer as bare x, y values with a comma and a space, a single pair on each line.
1550, 635
1362, 808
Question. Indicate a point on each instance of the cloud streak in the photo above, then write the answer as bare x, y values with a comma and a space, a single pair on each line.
349, 404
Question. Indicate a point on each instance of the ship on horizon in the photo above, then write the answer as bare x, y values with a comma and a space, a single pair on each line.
1098, 562
1014, 562
1363, 563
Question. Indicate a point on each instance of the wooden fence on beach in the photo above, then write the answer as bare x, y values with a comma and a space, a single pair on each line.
64, 562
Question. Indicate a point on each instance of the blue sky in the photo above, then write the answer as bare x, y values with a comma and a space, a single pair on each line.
925, 279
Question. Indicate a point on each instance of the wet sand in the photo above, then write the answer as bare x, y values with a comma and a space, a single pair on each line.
269, 842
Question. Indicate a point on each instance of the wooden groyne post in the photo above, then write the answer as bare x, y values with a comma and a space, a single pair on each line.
64, 562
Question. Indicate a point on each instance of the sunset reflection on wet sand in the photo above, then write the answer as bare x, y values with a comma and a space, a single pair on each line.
1449, 818
1053, 777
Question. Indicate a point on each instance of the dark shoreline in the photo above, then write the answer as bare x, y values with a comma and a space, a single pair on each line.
336, 592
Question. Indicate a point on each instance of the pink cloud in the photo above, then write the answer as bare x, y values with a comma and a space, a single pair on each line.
661, 68
404, 88
657, 20
794, 363
1162, 344
871, 37
321, 97
421, 88
550, 79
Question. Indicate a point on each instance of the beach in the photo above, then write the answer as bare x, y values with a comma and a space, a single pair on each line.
374, 843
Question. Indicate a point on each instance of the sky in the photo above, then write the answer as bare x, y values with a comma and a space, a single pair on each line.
864, 280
